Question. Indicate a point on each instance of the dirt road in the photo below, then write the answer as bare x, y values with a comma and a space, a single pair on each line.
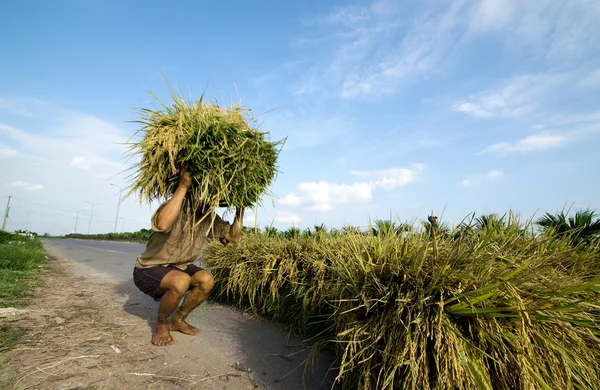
90, 328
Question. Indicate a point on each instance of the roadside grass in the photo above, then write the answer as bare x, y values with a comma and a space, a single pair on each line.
21, 263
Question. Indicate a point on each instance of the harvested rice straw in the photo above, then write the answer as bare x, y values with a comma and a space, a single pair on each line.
231, 162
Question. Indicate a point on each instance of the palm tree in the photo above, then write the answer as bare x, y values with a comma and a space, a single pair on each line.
387, 227
271, 231
442, 230
491, 222
320, 230
291, 233
349, 229
583, 226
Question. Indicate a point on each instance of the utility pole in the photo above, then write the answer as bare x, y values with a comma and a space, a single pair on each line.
6, 214
28, 224
118, 204
76, 218
92, 215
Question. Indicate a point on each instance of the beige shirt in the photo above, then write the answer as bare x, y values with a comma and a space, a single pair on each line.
179, 246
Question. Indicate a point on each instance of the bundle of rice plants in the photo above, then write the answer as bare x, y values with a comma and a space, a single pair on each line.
494, 309
231, 162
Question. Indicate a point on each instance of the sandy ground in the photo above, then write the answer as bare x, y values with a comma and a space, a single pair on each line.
86, 331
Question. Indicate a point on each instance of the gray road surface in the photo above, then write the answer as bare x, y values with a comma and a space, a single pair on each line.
226, 335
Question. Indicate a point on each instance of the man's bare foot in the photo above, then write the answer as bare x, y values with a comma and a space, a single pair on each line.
162, 337
179, 324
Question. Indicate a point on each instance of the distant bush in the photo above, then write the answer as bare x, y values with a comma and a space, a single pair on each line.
140, 236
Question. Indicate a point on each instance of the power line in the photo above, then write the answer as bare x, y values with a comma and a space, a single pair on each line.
71, 211
43, 205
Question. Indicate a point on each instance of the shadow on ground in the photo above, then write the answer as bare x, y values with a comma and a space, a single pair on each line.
272, 357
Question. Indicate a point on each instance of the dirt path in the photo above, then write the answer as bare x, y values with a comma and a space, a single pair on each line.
84, 331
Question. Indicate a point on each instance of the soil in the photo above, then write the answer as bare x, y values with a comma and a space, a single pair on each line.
84, 332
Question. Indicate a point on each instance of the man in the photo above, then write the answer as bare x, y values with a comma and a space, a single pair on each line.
165, 270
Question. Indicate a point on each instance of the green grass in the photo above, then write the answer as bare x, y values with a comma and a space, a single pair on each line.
21, 256
21, 262
493, 306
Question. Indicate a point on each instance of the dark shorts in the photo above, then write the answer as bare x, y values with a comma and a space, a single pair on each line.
148, 279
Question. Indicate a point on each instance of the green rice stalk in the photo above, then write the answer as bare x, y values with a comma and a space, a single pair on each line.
230, 161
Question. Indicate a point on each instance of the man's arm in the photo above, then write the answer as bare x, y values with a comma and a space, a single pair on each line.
236, 228
169, 212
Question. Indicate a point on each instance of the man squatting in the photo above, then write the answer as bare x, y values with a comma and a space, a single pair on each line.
165, 270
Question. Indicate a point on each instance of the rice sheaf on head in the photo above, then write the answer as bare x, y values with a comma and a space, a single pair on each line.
230, 161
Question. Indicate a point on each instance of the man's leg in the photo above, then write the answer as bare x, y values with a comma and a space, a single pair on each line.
176, 284
202, 283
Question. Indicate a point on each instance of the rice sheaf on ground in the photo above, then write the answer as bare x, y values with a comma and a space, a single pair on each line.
497, 305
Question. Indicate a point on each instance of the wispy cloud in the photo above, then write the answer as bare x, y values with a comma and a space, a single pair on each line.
592, 79
73, 136
519, 96
27, 186
559, 31
476, 180
491, 15
324, 196
532, 143
574, 129
7, 153
375, 48
378, 47
14, 107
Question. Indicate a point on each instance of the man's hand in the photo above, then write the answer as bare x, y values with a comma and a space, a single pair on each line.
185, 177
168, 214
236, 228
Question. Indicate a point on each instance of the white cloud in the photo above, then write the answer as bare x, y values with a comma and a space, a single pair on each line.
479, 179
27, 186
532, 143
519, 96
471, 109
80, 162
287, 218
578, 131
391, 178
324, 196
7, 153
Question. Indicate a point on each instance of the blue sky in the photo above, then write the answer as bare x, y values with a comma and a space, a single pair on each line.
391, 108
